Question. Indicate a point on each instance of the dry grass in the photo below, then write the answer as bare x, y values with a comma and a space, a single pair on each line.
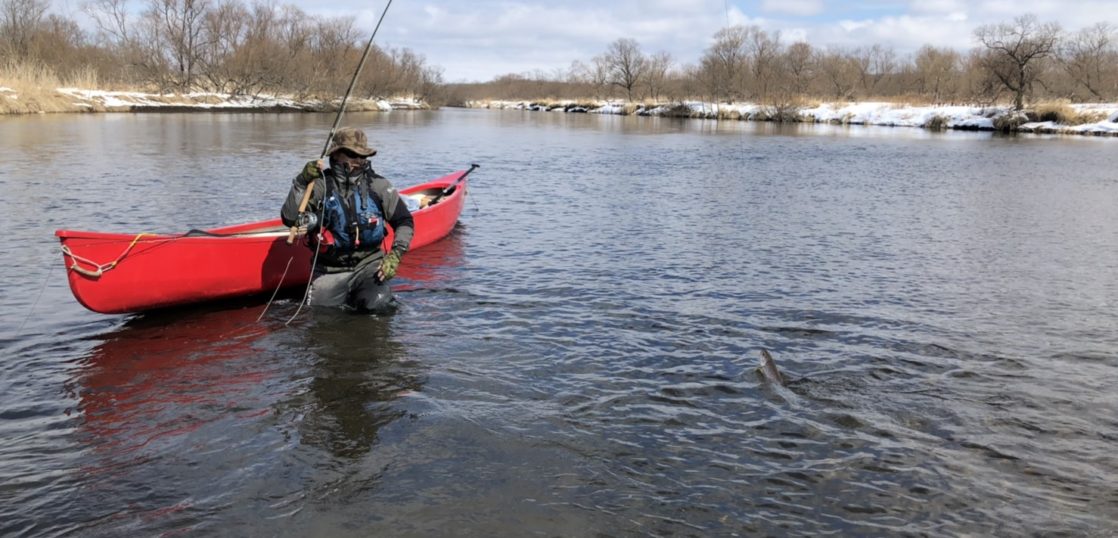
912, 100
36, 86
85, 78
805, 102
1054, 111
1063, 113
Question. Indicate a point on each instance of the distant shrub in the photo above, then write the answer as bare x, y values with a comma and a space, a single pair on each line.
1063, 113
785, 113
1054, 111
728, 113
937, 123
677, 110
1010, 121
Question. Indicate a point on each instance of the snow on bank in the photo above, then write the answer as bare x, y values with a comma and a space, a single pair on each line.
118, 101
1051, 127
888, 114
1109, 126
973, 118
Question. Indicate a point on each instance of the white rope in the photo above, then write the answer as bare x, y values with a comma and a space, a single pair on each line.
101, 267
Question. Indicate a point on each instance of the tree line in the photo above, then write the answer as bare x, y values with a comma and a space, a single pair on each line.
226, 46
243, 48
1011, 61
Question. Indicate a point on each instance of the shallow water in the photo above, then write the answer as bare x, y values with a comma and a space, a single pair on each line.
578, 358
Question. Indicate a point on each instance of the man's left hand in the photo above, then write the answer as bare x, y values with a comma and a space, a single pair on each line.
388, 266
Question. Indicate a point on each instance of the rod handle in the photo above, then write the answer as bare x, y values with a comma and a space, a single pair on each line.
302, 209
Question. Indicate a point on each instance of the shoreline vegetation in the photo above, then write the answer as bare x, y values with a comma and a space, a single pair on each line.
1093, 119
68, 100
1045, 118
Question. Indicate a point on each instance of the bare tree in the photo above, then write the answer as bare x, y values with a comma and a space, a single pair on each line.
19, 20
1089, 58
874, 64
226, 27
763, 52
431, 88
1015, 50
800, 67
111, 18
937, 73
597, 74
724, 65
659, 65
336, 54
979, 85
840, 73
627, 65
177, 27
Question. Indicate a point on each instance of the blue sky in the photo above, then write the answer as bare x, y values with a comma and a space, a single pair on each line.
477, 40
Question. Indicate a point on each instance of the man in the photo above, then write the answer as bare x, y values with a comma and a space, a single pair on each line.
345, 219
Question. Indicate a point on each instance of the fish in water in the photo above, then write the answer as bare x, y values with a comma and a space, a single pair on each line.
769, 370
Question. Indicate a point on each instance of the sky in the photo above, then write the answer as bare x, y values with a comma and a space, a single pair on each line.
480, 39
477, 40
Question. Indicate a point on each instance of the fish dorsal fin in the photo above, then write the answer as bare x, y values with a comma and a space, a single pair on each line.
769, 370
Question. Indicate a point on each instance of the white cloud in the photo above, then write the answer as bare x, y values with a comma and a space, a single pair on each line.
484, 38
938, 6
801, 8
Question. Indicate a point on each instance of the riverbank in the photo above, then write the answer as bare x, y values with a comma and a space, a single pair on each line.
63, 100
1047, 118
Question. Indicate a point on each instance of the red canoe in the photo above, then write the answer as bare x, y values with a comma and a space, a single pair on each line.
118, 273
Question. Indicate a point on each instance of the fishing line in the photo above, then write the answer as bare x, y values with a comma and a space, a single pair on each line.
314, 261
278, 286
741, 91
34, 305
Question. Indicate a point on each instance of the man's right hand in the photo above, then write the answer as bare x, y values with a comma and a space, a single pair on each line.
311, 171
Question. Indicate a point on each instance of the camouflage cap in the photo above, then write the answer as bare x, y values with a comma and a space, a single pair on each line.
352, 139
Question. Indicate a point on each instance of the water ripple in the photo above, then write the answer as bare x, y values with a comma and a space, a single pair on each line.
579, 356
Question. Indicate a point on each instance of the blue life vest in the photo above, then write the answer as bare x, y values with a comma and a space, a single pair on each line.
356, 224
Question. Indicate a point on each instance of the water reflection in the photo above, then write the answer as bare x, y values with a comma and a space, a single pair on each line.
359, 370
164, 375
433, 264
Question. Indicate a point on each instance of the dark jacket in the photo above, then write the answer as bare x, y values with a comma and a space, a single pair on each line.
395, 213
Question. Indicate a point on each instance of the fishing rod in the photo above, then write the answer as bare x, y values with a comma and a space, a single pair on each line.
337, 121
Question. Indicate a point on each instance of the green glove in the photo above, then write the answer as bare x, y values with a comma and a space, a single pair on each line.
310, 173
388, 266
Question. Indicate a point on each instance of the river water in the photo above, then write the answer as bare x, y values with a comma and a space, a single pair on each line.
578, 358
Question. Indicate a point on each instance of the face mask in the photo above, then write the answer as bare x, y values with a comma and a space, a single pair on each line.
349, 163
